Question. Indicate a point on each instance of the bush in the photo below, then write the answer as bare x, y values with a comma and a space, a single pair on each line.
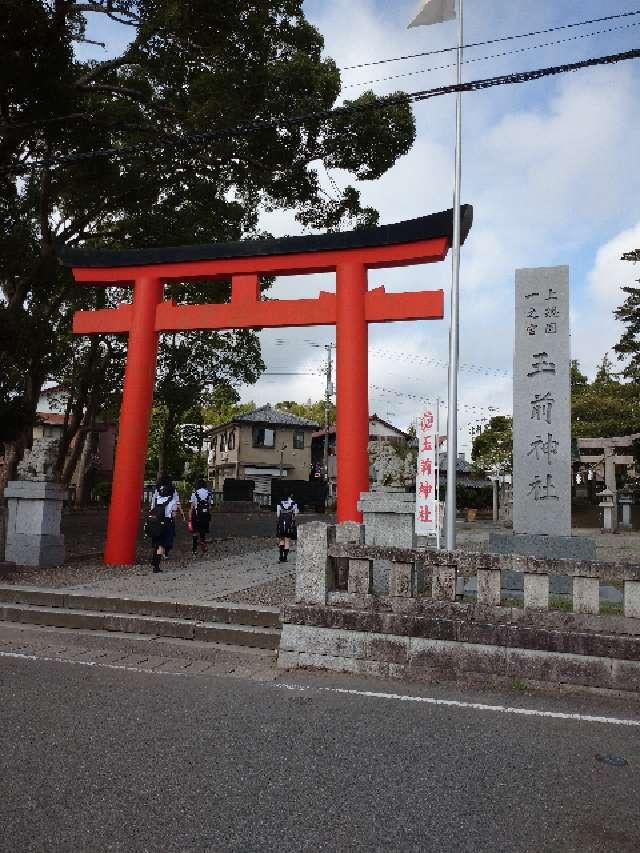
101, 492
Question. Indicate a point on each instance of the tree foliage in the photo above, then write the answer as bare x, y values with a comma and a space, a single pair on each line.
224, 405
492, 449
188, 68
628, 347
312, 411
605, 407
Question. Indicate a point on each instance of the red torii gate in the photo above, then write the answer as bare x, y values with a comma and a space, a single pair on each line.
350, 255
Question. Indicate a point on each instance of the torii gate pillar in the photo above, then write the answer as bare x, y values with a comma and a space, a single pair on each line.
352, 413
353, 306
135, 416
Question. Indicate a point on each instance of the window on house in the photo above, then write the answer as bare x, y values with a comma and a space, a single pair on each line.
231, 443
298, 440
223, 442
263, 437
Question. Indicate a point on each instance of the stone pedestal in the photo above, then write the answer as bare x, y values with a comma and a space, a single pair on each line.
495, 502
389, 518
33, 526
609, 505
539, 545
626, 501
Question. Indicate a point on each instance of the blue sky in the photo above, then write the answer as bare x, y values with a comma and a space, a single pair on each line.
550, 167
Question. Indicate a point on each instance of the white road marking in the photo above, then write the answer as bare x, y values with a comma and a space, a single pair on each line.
369, 694
92, 663
473, 706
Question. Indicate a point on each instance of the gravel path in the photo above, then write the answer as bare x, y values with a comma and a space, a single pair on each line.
233, 566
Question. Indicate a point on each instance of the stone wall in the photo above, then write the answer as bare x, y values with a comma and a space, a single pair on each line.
420, 631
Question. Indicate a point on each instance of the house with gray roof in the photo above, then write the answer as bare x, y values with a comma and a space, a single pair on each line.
260, 445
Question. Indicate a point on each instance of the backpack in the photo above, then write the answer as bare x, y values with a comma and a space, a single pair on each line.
156, 522
201, 510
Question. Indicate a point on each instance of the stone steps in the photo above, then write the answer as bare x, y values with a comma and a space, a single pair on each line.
212, 622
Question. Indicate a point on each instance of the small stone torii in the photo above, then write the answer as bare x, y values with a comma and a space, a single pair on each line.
351, 308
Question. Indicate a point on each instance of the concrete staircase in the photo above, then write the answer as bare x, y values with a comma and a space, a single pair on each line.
210, 622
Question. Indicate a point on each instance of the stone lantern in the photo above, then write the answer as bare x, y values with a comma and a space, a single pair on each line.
609, 506
35, 509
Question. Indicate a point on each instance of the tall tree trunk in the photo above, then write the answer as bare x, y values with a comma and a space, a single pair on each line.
88, 453
163, 448
73, 458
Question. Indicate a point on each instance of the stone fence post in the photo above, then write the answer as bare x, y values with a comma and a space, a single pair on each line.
314, 577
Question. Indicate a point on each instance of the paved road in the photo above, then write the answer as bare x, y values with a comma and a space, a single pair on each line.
98, 759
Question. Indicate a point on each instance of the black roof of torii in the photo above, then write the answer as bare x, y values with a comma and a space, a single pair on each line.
410, 231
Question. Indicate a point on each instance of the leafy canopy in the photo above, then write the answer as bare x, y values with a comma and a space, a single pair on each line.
186, 68
492, 449
605, 407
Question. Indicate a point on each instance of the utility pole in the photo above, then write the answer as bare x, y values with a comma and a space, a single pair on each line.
327, 406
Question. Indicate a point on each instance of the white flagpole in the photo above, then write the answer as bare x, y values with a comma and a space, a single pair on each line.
452, 420
438, 473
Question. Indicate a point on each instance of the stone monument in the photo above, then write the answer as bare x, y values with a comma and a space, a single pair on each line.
626, 499
388, 508
35, 509
542, 421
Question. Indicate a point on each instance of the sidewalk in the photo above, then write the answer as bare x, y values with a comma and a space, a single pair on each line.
199, 578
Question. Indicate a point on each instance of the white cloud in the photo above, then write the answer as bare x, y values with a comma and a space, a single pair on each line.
609, 273
596, 330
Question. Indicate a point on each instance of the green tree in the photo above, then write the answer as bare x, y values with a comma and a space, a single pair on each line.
188, 68
312, 411
492, 449
628, 347
579, 380
606, 406
224, 405
188, 365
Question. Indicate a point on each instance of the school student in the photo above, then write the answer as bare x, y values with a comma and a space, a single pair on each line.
286, 511
161, 525
200, 515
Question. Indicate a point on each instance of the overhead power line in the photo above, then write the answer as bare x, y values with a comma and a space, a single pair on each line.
423, 359
418, 397
493, 41
494, 55
196, 139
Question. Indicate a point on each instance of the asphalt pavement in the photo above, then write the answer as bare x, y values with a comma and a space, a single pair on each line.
97, 758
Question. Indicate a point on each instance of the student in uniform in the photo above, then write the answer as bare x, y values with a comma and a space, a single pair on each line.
286, 511
165, 496
200, 516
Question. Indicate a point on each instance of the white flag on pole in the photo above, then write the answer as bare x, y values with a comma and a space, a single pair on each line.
434, 12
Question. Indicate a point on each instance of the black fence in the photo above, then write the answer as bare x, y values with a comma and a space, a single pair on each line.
308, 494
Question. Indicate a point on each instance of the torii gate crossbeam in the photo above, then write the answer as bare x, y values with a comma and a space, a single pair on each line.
351, 308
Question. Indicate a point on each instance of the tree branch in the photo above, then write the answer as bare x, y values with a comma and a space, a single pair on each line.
80, 40
130, 19
107, 65
126, 92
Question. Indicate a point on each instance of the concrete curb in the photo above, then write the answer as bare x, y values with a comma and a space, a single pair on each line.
210, 631
201, 611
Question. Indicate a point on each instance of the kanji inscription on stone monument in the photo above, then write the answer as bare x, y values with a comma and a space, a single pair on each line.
542, 403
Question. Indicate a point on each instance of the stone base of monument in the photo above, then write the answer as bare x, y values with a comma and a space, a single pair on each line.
389, 519
545, 547
33, 525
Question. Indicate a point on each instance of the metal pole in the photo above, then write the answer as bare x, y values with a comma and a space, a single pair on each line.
452, 422
438, 473
327, 403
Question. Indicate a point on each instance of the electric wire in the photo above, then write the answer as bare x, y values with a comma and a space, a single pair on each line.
584, 23
200, 138
422, 359
493, 55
